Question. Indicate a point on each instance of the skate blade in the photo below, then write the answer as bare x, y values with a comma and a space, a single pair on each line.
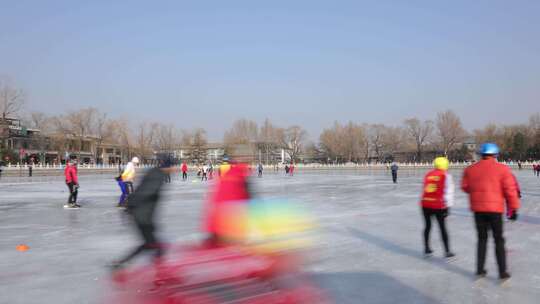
504, 282
450, 259
69, 207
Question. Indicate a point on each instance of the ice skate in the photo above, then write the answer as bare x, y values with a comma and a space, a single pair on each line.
450, 256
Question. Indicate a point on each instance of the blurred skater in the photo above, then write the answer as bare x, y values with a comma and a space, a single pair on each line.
437, 199
122, 202
260, 170
142, 205
224, 167
210, 171
489, 185
229, 195
128, 175
394, 168
184, 169
72, 182
204, 173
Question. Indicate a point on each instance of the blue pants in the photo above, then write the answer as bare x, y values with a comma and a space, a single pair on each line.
125, 192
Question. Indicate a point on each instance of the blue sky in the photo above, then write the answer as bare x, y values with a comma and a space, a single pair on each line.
206, 63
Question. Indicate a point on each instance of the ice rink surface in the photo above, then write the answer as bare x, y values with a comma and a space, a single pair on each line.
368, 250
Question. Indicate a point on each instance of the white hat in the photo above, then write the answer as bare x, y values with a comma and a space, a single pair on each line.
135, 160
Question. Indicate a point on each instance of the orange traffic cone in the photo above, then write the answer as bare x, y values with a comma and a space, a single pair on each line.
22, 247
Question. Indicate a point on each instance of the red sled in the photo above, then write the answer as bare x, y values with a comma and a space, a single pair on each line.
231, 274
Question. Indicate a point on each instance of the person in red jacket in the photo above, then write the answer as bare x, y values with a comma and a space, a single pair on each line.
72, 181
490, 185
437, 198
184, 169
223, 220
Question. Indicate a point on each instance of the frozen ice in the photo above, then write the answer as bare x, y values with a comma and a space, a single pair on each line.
368, 249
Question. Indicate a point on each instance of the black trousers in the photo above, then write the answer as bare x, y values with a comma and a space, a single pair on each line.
439, 215
394, 176
184, 175
486, 221
150, 244
72, 193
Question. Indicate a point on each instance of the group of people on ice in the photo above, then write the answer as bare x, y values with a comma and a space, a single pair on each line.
493, 192
492, 189
232, 186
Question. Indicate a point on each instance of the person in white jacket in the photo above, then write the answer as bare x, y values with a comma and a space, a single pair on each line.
128, 175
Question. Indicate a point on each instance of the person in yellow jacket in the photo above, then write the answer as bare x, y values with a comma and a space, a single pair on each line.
224, 167
128, 175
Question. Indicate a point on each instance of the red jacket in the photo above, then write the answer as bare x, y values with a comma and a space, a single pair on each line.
438, 190
184, 167
230, 193
489, 185
70, 172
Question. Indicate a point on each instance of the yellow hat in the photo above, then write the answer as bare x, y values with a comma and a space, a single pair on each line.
441, 163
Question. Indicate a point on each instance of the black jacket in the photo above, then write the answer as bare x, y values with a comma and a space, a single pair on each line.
142, 203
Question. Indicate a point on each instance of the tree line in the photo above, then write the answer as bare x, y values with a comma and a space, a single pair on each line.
414, 139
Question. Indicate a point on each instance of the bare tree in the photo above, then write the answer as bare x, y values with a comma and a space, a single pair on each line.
330, 142
450, 130
243, 131
376, 134
81, 122
11, 99
166, 139
293, 141
145, 138
198, 145
101, 131
269, 140
420, 133
393, 141
343, 143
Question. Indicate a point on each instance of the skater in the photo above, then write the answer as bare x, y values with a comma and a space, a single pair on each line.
394, 168
128, 175
224, 167
489, 184
204, 173
199, 170
210, 171
287, 169
122, 203
30, 169
184, 169
167, 177
537, 170
260, 170
520, 166
230, 193
291, 169
72, 182
141, 206
437, 199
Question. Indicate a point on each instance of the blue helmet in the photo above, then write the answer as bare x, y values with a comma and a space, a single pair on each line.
489, 149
